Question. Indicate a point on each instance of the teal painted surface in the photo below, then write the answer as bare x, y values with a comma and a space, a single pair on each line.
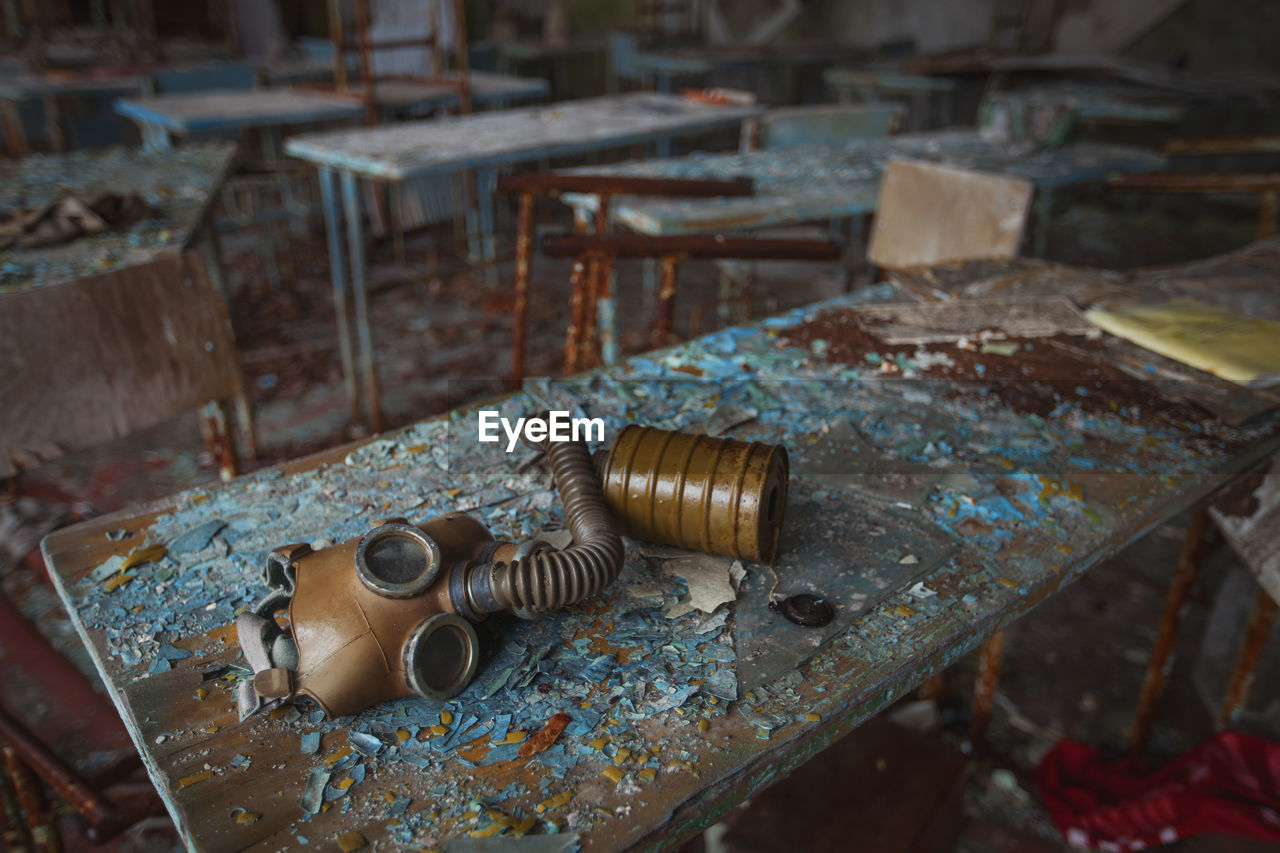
814, 183
1031, 502
413, 149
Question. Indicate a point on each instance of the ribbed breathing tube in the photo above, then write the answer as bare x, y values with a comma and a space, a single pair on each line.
536, 579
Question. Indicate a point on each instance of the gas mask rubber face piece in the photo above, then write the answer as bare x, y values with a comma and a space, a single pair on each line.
371, 619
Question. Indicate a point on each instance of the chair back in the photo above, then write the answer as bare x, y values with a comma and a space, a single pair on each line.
89, 361
929, 214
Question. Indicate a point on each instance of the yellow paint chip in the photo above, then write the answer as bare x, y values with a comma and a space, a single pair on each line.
145, 554
194, 778
621, 756
350, 841
598, 743
703, 725
812, 718
615, 773
346, 783
1008, 582
446, 717
211, 729
523, 827
402, 735
488, 832
555, 802
648, 774
248, 818
904, 611
512, 737
439, 730
116, 582
338, 756
201, 693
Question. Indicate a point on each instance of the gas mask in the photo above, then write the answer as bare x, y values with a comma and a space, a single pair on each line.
391, 614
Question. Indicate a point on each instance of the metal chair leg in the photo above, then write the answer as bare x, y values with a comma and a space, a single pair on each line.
1193, 552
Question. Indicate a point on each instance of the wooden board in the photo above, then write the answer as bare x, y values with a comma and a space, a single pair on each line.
931, 322
98, 358
934, 214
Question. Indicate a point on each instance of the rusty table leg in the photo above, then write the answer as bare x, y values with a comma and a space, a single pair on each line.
577, 309
520, 309
15, 134
215, 427
1193, 550
665, 320
17, 835
1251, 648
590, 350
985, 686
30, 796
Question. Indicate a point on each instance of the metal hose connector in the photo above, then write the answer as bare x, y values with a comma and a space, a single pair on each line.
536, 580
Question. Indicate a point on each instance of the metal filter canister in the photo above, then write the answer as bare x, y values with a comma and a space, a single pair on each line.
717, 495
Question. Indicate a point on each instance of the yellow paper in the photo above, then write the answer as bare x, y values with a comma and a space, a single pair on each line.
1244, 350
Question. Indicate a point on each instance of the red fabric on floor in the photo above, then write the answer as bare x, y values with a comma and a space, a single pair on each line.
1228, 784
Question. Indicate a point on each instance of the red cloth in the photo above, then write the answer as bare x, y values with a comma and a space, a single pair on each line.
1228, 784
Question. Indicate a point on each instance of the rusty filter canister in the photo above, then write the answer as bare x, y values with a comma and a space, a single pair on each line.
717, 495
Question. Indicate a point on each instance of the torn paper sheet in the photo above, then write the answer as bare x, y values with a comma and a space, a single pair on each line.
710, 582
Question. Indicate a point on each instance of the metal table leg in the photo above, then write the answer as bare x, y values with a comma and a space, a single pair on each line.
1044, 208
486, 186
360, 292
338, 272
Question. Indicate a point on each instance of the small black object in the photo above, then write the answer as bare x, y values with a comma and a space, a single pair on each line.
811, 611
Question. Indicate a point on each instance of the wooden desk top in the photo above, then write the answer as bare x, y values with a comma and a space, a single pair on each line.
179, 184
814, 183
673, 719
405, 150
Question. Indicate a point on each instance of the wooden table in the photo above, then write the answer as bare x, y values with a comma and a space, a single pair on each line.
160, 118
670, 727
51, 90
395, 154
825, 183
871, 85
180, 185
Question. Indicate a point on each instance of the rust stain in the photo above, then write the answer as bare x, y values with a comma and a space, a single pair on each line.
544, 739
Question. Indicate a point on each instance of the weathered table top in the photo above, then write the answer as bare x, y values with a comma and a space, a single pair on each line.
886, 81
1102, 103
823, 182
401, 151
26, 84
486, 87
193, 112
673, 719
704, 60
178, 184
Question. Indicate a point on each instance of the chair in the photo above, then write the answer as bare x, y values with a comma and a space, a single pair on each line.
85, 362
929, 214
92, 360
800, 282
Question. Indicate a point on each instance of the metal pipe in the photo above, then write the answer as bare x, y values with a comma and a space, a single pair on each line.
341, 295
664, 322
360, 290
708, 246
577, 305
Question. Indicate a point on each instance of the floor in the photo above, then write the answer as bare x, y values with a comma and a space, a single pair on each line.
1072, 669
